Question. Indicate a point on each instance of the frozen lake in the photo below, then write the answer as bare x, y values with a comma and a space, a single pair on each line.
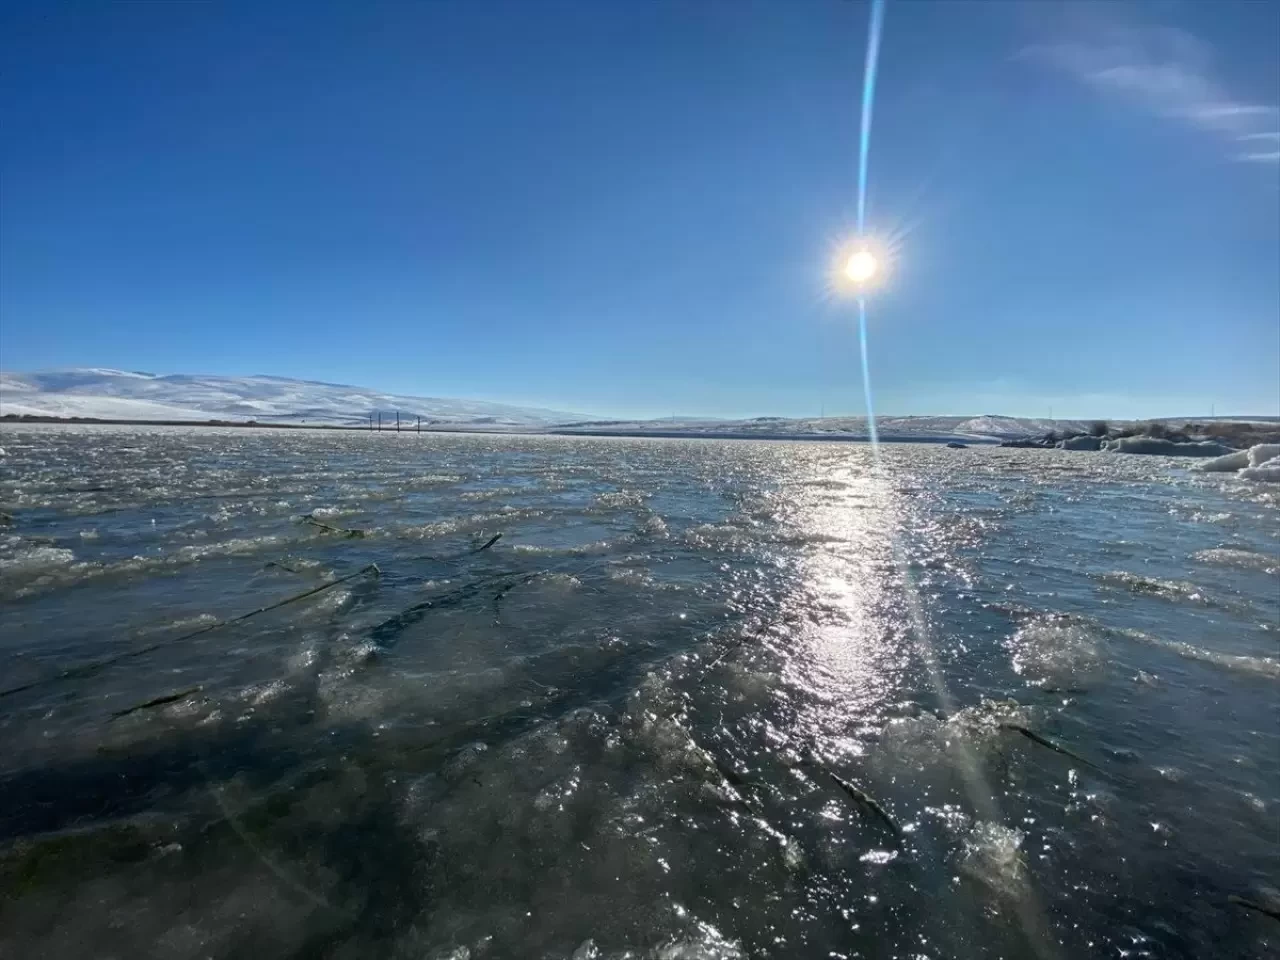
702, 699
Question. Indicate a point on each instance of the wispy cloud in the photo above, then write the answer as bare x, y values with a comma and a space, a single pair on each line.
1261, 140
1168, 72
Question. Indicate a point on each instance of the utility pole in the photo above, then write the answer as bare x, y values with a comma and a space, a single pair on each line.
419, 424
379, 421
397, 421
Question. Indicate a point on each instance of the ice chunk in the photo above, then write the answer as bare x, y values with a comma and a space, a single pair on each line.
1167, 448
1268, 471
1261, 456
992, 854
1228, 464
1260, 453
1047, 652
1082, 443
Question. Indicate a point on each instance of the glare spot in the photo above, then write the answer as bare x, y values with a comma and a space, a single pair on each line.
861, 267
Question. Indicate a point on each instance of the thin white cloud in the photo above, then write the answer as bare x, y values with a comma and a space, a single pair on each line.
1169, 72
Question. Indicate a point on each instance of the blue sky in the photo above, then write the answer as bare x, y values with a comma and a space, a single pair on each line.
632, 208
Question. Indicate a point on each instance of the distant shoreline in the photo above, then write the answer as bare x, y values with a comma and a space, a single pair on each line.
20, 419
748, 435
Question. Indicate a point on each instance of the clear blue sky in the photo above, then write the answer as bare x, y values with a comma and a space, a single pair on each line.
631, 207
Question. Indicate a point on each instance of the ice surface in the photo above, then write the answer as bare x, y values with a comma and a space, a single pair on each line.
611, 752
1239, 558
1259, 665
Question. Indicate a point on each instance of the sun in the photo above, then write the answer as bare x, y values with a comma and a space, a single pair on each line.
861, 267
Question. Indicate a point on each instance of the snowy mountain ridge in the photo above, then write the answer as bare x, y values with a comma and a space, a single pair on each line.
135, 395
132, 395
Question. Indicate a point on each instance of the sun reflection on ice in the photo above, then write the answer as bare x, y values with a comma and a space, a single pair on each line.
851, 651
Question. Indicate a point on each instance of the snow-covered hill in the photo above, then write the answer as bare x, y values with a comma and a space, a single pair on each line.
981, 429
129, 395
126, 395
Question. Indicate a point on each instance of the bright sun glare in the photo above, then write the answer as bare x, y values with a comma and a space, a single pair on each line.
861, 267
